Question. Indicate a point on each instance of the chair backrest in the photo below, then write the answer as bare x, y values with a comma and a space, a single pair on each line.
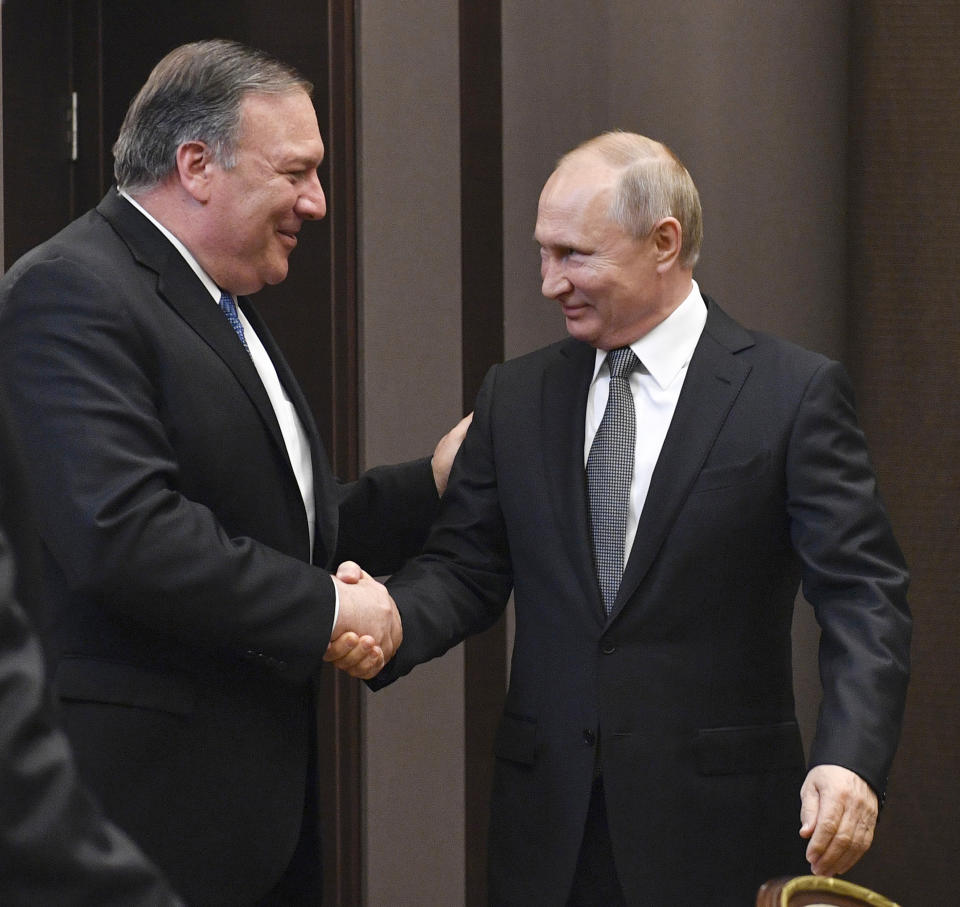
818, 891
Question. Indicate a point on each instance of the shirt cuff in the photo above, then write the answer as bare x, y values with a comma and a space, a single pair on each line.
336, 606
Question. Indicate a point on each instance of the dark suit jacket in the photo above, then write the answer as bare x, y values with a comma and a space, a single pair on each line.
55, 846
763, 480
188, 623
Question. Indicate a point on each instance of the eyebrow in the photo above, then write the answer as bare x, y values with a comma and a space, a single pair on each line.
560, 242
298, 161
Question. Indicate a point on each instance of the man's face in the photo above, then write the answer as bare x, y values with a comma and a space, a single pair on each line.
257, 207
604, 279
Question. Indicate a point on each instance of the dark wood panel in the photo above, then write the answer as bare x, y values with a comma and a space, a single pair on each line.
36, 99
481, 230
903, 352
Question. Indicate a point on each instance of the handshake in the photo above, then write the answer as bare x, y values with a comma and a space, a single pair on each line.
368, 629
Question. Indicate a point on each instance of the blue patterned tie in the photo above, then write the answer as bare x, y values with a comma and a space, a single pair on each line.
610, 473
229, 308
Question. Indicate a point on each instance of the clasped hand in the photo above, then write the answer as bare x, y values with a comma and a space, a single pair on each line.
368, 629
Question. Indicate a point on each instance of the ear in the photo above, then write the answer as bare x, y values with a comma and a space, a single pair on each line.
668, 239
195, 169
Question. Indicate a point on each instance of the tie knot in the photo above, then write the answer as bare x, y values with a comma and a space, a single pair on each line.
227, 303
622, 362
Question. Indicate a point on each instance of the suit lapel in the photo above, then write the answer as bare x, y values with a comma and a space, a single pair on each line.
713, 382
566, 381
182, 290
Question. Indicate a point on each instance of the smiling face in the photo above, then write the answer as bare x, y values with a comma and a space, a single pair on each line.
606, 281
255, 209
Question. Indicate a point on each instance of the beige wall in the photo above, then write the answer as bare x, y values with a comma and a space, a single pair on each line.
751, 95
409, 222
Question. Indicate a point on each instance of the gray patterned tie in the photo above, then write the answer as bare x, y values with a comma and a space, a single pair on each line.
229, 308
609, 475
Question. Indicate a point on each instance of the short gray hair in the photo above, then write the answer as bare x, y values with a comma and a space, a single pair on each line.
653, 184
194, 94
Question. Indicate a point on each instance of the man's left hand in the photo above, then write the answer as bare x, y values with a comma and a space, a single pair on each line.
838, 813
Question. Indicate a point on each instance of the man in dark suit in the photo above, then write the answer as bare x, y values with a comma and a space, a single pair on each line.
186, 506
56, 847
653, 511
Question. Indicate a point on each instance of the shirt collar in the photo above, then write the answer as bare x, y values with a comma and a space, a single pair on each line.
205, 278
667, 349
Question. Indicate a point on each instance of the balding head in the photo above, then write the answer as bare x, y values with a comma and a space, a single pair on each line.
651, 184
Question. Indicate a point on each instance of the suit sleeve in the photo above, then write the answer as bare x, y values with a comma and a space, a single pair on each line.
854, 576
116, 507
55, 845
461, 583
385, 516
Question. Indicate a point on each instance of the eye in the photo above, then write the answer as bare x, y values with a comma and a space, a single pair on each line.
299, 175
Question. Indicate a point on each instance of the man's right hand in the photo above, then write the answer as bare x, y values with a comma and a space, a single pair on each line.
368, 629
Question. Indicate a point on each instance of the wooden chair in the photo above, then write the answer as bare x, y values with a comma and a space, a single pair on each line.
818, 891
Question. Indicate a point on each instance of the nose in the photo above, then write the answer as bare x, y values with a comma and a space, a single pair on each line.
312, 203
555, 282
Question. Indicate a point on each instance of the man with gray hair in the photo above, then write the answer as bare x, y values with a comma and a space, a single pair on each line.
653, 489
186, 504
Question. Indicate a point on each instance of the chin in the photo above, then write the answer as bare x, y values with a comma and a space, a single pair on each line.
277, 275
582, 332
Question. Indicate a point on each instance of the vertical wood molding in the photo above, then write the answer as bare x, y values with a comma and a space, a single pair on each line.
342, 203
340, 699
481, 207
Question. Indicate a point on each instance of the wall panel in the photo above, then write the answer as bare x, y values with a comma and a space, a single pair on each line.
904, 346
409, 222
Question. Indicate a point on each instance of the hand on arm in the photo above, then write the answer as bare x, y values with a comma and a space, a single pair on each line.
838, 813
446, 450
368, 629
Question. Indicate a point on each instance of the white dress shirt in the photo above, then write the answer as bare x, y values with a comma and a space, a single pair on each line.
664, 354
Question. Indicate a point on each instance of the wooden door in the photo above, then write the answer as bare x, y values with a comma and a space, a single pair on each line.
69, 71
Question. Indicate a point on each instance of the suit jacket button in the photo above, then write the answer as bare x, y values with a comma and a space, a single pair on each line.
609, 648
589, 738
